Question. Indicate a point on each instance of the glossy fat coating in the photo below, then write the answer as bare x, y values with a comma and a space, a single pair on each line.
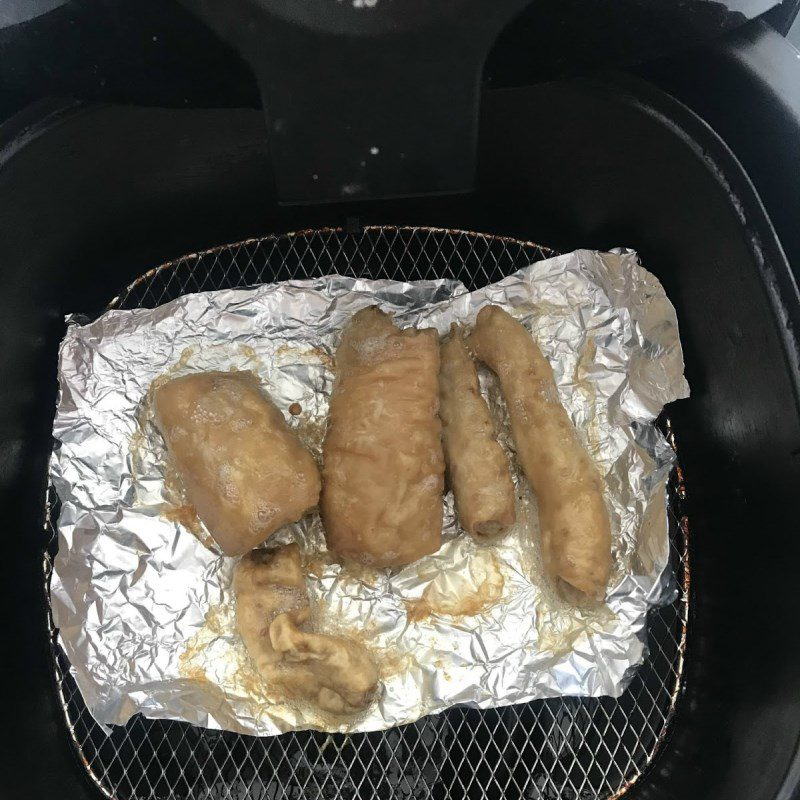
477, 467
243, 470
383, 473
575, 527
333, 673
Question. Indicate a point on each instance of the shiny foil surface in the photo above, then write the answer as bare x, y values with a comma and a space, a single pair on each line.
142, 598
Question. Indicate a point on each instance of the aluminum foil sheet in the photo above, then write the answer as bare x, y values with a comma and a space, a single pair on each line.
143, 602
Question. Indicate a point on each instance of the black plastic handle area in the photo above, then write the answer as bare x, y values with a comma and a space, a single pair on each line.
366, 99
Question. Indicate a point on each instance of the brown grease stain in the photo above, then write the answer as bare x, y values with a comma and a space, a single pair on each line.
316, 563
364, 573
390, 663
469, 604
215, 621
196, 645
305, 355
196, 674
185, 516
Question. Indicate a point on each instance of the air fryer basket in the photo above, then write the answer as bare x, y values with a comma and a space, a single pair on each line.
561, 748
93, 196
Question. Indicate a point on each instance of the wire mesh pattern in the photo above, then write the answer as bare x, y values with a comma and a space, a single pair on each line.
556, 749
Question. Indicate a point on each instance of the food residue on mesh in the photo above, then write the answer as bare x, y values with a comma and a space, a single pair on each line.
295, 409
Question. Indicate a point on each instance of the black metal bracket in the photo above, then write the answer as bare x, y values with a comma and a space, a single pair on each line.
366, 98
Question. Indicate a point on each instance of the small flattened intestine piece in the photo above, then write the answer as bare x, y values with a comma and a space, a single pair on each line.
268, 583
334, 673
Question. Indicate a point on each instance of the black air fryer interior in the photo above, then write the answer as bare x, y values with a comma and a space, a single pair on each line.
93, 196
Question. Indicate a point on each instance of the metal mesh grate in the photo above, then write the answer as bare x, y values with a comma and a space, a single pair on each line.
556, 749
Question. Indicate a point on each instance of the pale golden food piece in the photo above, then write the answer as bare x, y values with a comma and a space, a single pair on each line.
268, 584
574, 520
333, 673
477, 467
383, 473
243, 470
